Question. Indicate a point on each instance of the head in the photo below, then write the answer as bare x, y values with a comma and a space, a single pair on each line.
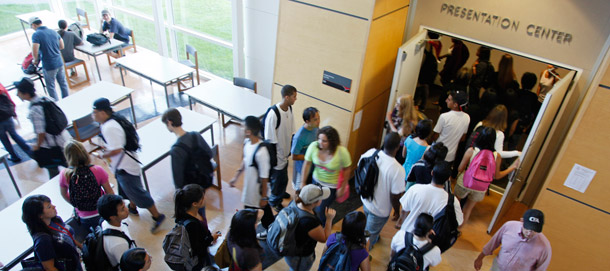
135, 259
35, 210
253, 126
484, 53
506, 74
353, 227
497, 118
289, 94
533, 220
172, 119
328, 139
190, 196
25, 89
433, 35
62, 24
463, 77
76, 155
511, 98
311, 116
457, 100
436, 153
391, 143
243, 228
486, 139
423, 225
423, 129
112, 208
312, 195
528, 80
106, 15
441, 173
489, 98
102, 110
406, 107
35, 22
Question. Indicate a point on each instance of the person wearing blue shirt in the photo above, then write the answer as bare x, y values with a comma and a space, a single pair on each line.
115, 30
307, 133
46, 46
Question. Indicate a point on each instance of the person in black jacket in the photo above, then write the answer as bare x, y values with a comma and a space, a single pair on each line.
188, 201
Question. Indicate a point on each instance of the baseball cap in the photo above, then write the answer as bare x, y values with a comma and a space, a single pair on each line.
34, 19
460, 97
26, 85
312, 193
533, 219
102, 104
105, 12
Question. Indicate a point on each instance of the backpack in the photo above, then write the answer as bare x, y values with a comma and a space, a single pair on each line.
336, 257
366, 175
54, 118
27, 66
76, 29
277, 115
177, 248
7, 108
97, 39
410, 258
132, 140
480, 172
93, 254
198, 168
281, 235
445, 226
272, 155
84, 189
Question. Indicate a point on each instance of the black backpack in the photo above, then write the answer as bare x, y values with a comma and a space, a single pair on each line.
337, 256
272, 155
366, 175
132, 140
93, 254
84, 189
446, 226
277, 115
198, 169
97, 39
410, 258
54, 118
7, 108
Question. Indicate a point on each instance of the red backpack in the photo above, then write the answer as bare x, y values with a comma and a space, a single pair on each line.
480, 172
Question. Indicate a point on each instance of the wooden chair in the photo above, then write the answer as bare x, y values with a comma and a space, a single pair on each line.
244, 82
72, 65
216, 153
84, 128
191, 53
83, 13
125, 47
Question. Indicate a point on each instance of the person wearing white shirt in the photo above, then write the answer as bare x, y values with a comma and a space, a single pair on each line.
389, 188
452, 126
420, 238
113, 210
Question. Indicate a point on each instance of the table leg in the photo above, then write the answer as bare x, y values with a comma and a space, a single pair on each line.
190, 103
26, 33
122, 78
192, 81
10, 174
145, 180
133, 111
166, 95
99, 74
212, 133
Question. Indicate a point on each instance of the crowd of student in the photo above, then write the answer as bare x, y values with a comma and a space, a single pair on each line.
415, 165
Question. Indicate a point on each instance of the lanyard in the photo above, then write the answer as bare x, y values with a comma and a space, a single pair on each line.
64, 231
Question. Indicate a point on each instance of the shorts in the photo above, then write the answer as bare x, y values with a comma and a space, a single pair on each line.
463, 192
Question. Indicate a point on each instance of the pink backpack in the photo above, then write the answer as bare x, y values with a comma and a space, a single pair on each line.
480, 172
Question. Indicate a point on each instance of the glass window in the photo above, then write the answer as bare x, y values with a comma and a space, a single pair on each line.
212, 17
11, 8
86, 5
141, 6
144, 30
212, 58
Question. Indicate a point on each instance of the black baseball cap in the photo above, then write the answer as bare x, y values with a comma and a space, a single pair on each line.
102, 104
26, 85
533, 219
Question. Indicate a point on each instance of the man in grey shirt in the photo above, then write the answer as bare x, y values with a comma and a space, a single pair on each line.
70, 41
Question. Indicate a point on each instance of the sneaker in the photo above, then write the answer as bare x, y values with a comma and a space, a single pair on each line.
262, 236
277, 208
14, 159
133, 211
286, 195
158, 222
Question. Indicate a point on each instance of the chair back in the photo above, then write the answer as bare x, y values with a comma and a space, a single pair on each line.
190, 51
83, 13
244, 82
85, 128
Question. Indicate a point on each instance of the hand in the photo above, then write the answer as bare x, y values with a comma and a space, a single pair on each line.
215, 236
233, 181
340, 192
478, 262
330, 213
35, 147
97, 155
262, 203
398, 223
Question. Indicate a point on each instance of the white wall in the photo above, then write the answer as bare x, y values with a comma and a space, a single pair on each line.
260, 35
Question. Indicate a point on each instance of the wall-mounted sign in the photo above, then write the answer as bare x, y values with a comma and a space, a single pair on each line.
337, 81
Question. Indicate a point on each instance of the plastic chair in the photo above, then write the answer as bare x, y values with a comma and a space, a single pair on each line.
244, 82
73, 64
84, 128
83, 13
191, 53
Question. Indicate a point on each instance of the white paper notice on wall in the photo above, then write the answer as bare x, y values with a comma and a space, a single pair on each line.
579, 178
357, 120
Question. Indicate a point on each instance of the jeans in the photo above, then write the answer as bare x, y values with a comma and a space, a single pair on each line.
83, 228
296, 263
279, 181
130, 187
374, 225
49, 78
8, 126
321, 210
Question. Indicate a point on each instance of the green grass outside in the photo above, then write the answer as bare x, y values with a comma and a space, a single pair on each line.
8, 22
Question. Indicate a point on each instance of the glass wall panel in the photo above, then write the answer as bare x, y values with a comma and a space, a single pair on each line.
140, 6
212, 17
86, 5
212, 58
10, 8
144, 30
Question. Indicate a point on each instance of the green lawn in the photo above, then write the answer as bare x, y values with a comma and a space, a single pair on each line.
8, 22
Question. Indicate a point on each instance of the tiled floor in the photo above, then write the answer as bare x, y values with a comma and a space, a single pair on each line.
221, 205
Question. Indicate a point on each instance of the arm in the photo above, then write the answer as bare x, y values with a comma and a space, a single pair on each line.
489, 248
305, 171
365, 265
499, 145
64, 193
108, 189
321, 234
237, 175
39, 140
298, 157
395, 200
61, 44
258, 267
403, 216
500, 174
435, 136
35, 47
465, 159
49, 265
388, 118
178, 157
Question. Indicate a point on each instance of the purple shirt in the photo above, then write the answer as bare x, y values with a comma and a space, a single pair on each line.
518, 253
358, 255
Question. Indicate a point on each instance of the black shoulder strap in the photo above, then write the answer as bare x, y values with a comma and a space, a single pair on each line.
117, 233
375, 154
429, 246
277, 114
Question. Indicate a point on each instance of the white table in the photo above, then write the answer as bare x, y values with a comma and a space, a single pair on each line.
156, 140
3, 156
228, 99
156, 68
48, 18
16, 240
79, 104
94, 50
15, 74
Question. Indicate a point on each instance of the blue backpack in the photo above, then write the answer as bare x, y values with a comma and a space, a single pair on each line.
337, 257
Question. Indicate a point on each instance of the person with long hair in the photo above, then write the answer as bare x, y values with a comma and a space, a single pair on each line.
482, 74
354, 237
497, 119
484, 141
54, 243
242, 243
332, 162
188, 201
82, 184
506, 74
415, 145
403, 110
